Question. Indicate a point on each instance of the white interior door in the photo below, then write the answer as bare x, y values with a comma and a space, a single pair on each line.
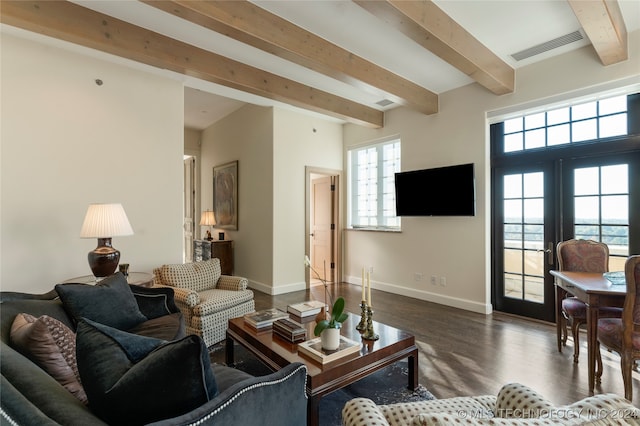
322, 227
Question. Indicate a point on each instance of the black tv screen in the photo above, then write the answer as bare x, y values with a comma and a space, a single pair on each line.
442, 191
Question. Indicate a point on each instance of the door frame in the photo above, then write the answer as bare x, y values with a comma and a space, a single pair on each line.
337, 214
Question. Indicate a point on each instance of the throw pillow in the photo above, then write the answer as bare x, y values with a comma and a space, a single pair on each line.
52, 346
147, 379
109, 302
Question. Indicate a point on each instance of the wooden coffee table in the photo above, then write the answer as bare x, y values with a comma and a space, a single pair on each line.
277, 353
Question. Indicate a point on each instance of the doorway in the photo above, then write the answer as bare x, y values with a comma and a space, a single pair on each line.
189, 207
322, 213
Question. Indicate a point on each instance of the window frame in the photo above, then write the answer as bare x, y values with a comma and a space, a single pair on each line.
353, 180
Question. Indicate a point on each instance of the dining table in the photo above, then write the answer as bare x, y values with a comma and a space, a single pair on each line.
596, 291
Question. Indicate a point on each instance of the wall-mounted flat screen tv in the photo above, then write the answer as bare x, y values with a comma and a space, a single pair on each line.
442, 191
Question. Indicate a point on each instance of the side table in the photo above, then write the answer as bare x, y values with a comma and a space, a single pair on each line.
143, 279
222, 249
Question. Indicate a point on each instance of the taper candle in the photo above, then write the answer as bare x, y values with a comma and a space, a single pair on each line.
363, 284
369, 285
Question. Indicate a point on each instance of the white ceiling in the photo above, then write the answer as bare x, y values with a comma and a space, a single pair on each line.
504, 26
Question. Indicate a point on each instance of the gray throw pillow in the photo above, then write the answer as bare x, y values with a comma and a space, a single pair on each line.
109, 302
131, 379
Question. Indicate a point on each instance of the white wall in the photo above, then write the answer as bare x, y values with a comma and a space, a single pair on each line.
273, 146
299, 141
458, 248
245, 135
67, 142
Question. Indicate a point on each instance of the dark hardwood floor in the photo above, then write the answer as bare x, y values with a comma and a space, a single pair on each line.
466, 353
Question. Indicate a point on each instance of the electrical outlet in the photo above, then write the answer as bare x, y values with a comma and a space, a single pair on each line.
434, 280
371, 269
443, 281
417, 276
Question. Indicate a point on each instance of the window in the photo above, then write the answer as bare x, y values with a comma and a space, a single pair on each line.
578, 123
371, 170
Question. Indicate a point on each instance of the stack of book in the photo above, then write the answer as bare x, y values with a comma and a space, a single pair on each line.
313, 349
290, 330
264, 318
307, 309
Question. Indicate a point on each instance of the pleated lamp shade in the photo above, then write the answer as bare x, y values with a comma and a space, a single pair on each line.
104, 221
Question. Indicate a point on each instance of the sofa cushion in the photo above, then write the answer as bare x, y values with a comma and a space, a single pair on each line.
52, 346
147, 379
197, 276
166, 327
101, 301
212, 301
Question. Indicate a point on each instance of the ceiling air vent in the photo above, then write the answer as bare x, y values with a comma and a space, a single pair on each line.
384, 102
549, 45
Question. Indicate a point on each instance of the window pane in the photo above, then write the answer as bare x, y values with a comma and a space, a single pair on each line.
513, 186
585, 232
586, 181
513, 211
584, 130
534, 210
578, 112
558, 116
513, 286
615, 179
513, 235
611, 105
586, 210
534, 289
513, 261
615, 209
617, 238
513, 142
613, 125
534, 138
534, 237
534, 121
534, 184
558, 135
513, 125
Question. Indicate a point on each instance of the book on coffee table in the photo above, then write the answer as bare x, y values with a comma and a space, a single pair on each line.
264, 318
290, 330
313, 349
305, 309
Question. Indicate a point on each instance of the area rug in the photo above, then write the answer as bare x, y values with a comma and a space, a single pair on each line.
386, 386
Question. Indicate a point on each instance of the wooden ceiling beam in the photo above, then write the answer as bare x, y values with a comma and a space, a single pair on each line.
79, 25
603, 23
257, 27
429, 26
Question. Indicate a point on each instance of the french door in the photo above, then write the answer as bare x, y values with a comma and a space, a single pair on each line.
536, 206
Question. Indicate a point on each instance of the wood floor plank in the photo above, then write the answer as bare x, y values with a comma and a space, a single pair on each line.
466, 353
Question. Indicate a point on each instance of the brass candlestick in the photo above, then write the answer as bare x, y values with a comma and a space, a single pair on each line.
363, 316
369, 334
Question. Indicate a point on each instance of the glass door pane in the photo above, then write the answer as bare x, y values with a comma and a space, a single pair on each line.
523, 201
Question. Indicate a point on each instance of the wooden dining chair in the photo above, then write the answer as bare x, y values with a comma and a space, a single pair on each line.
581, 256
622, 335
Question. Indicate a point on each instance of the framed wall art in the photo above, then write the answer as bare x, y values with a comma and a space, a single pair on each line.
225, 195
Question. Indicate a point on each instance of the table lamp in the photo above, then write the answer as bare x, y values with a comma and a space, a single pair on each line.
208, 219
104, 221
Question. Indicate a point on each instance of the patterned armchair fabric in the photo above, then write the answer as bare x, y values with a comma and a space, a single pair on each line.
206, 298
515, 404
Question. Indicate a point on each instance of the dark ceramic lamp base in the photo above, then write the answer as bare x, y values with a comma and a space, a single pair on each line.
104, 260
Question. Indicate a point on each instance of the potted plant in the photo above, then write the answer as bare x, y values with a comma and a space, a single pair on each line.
329, 329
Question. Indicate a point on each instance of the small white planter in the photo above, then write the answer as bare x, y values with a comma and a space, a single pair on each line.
330, 338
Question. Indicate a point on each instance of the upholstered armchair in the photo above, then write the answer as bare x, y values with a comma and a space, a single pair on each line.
582, 256
206, 298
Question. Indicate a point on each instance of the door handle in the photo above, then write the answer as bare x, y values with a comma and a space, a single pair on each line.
312, 234
549, 252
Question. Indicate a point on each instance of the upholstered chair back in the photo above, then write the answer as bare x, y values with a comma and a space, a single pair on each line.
196, 276
632, 275
583, 256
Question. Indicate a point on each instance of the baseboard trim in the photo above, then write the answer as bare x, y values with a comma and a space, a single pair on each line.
454, 302
274, 291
